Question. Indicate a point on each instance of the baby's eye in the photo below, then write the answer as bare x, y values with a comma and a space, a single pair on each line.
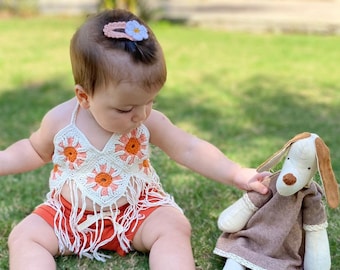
124, 111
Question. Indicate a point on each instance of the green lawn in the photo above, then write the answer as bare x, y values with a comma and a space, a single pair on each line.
247, 94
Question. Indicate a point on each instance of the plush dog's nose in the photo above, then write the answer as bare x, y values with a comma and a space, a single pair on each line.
289, 179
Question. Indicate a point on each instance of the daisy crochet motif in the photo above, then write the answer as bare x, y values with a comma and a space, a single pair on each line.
131, 30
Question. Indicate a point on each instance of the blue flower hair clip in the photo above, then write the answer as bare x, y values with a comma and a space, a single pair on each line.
132, 30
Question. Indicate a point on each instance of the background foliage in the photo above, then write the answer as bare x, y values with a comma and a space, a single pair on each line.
247, 94
29, 7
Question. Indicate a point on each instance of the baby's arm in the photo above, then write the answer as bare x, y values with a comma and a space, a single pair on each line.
19, 157
31, 153
201, 156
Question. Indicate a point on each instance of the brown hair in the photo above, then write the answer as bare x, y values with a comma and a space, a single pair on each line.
97, 59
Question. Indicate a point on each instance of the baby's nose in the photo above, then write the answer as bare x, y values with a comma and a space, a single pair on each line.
139, 114
289, 179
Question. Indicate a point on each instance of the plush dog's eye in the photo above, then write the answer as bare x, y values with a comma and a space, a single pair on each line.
309, 168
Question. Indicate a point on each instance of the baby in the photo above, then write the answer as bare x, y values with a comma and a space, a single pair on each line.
104, 193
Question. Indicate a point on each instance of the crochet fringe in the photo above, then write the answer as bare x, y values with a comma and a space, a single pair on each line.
121, 225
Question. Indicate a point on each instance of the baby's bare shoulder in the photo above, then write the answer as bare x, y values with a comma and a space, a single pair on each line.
62, 113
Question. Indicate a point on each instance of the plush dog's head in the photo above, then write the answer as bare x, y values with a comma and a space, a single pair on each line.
306, 154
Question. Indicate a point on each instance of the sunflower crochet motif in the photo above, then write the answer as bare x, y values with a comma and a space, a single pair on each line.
100, 173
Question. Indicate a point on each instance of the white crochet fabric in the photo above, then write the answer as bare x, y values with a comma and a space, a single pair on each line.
122, 168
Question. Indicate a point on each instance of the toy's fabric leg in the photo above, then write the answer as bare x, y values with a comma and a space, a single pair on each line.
232, 265
317, 255
236, 216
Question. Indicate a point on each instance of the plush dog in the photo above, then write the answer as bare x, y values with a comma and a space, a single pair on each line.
286, 228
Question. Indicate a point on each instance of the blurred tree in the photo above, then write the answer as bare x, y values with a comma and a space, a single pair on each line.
138, 7
19, 7
124, 4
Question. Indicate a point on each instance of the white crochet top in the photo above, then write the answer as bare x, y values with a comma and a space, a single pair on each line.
122, 168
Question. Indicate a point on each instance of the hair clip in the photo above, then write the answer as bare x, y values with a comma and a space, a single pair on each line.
133, 30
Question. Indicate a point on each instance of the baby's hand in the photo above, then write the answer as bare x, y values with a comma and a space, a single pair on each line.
249, 179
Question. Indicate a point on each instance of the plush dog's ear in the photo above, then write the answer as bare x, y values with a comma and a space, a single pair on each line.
326, 173
275, 159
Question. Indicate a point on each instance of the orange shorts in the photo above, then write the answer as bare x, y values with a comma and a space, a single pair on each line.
48, 213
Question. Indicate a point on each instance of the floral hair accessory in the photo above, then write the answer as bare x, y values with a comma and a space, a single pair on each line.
132, 30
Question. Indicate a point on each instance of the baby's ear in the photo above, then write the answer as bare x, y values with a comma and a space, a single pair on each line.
82, 96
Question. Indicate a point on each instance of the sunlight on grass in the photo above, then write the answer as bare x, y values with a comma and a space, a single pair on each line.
35, 49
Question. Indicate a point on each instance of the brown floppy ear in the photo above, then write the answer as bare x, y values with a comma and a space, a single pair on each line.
326, 173
275, 158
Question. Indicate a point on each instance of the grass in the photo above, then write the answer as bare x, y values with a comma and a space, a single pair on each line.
247, 94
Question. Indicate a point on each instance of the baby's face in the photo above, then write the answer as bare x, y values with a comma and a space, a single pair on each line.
121, 108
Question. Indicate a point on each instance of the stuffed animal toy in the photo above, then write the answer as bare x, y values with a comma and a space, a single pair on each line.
285, 228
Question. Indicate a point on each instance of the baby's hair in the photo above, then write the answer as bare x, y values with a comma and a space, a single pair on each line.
97, 59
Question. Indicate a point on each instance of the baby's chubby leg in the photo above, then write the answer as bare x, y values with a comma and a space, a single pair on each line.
32, 245
166, 233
